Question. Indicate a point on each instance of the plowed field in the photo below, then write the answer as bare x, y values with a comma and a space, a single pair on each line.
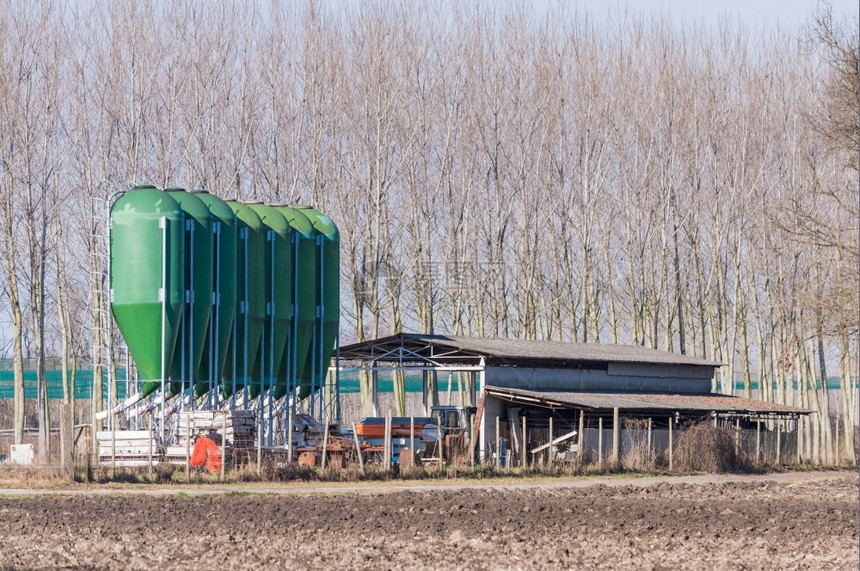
766, 524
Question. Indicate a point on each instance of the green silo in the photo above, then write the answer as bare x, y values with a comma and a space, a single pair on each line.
147, 259
251, 302
306, 293
329, 319
279, 288
225, 234
198, 286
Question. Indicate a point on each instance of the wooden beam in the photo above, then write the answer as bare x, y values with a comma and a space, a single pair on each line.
476, 427
600, 442
358, 449
671, 465
549, 454
616, 438
562, 438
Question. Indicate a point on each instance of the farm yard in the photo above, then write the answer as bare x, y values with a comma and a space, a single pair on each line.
277, 274
778, 521
578, 183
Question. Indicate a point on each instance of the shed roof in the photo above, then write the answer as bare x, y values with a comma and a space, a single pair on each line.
642, 402
451, 349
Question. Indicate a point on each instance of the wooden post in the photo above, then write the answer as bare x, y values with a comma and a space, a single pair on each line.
757, 440
524, 459
671, 444
476, 442
358, 449
113, 447
149, 428
580, 438
67, 440
440, 437
387, 442
737, 436
799, 439
259, 422
498, 444
650, 441
549, 456
187, 446
471, 447
778, 441
290, 428
325, 445
616, 438
440, 440
223, 444
599, 443
411, 441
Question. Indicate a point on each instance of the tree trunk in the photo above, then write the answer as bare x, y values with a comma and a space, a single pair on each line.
824, 407
847, 392
18, 369
400, 392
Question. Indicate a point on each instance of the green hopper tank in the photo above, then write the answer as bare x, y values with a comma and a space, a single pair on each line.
306, 283
147, 269
329, 319
198, 286
250, 288
279, 289
225, 236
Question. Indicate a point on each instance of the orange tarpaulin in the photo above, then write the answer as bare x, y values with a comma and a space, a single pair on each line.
206, 451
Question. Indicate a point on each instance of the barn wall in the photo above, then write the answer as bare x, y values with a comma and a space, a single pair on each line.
683, 379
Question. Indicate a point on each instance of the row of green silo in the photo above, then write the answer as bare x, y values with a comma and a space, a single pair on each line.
215, 294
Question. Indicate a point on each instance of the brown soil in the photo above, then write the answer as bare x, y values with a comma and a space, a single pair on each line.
808, 523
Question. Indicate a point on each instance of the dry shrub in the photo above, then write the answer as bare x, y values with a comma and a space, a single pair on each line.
702, 447
635, 453
16, 476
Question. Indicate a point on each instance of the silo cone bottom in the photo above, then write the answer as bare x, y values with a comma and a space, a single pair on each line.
227, 389
201, 389
280, 392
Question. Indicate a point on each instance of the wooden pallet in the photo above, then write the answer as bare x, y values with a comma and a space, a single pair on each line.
126, 448
239, 431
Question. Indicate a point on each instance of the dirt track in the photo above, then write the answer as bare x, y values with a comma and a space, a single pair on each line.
802, 522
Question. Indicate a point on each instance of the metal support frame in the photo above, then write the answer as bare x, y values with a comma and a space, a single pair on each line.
163, 294
265, 435
188, 353
400, 359
482, 452
215, 320
292, 354
272, 371
247, 307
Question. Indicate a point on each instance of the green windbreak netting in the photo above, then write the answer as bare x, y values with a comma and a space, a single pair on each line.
83, 384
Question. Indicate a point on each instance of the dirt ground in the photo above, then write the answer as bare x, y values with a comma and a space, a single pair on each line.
762, 523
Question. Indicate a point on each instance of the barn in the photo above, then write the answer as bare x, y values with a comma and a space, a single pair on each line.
526, 393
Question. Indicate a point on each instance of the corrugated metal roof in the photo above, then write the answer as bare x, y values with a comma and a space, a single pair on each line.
642, 401
498, 351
